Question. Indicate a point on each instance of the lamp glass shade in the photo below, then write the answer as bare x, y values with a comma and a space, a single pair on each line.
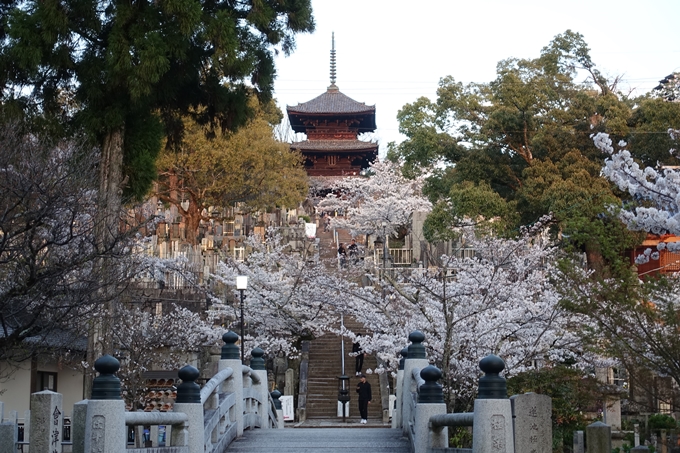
241, 282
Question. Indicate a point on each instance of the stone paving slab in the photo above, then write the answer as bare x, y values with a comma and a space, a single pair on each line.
353, 422
331, 440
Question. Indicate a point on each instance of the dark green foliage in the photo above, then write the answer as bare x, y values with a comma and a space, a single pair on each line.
662, 421
526, 134
119, 66
525, 138
469, 204
142, 145
649, 140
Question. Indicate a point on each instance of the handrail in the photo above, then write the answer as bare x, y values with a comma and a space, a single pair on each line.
272, 412
416, 377
457, 419
248, 371
216, 380
155, 418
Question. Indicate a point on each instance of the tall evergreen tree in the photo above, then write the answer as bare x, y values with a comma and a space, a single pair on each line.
128, 70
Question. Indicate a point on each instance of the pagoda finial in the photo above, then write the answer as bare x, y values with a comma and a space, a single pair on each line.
333, 86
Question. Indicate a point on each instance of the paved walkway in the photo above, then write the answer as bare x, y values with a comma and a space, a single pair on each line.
327, 440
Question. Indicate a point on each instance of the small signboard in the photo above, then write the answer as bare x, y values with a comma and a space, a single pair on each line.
287, 407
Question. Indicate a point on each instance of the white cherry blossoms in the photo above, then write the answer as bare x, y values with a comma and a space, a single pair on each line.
657, 191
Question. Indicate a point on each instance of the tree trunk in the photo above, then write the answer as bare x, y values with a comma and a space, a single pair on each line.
192, 219
110, 187
106, 231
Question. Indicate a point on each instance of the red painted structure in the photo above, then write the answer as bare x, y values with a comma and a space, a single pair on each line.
333, 122
668, 262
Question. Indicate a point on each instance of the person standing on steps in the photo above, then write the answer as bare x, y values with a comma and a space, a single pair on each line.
342, 255
364, 391
358, 354
353, 250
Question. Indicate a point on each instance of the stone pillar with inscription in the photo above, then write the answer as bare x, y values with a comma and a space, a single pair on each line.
258, 366
105, 420
231, 358
492, 427
532, 422
415, 359
46, 422
430, 402
398, 389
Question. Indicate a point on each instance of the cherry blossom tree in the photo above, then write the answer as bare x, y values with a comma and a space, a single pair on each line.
382, 198
53, 267
499, 301
146, 341
636, 321
287, 299
659, 186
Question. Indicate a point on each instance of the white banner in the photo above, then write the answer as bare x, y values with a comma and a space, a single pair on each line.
310, 230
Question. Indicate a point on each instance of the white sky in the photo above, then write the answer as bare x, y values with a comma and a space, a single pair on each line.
391, 52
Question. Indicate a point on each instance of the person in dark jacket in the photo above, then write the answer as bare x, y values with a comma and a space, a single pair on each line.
359, 356
364, 391
342, 255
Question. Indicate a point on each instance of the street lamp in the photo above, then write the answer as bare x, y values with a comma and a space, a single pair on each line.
376, 245
241, 285
384, 225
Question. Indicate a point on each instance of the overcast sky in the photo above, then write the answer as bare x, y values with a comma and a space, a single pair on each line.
391, 52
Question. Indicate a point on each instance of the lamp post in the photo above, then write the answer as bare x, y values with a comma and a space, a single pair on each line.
384, 225
241, 285
378, 243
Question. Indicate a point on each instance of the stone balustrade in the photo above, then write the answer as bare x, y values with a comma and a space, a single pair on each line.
203, 420
499, 424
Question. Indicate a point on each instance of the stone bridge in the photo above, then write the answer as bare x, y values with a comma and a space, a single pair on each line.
234, 412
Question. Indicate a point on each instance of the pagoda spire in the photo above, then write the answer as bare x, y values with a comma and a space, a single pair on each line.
333, 86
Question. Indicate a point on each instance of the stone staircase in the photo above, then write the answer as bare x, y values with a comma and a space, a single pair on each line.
328, 249
325, 358
325, 365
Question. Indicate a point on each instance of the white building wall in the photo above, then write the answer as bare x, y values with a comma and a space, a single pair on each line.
69, 383
15, 392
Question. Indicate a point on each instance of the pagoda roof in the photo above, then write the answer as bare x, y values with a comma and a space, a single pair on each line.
334, 145
332, 102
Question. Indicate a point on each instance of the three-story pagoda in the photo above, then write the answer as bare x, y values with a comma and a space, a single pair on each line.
332, 123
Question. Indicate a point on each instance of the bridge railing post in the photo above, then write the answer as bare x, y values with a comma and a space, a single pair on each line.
188, 401
105, 419
279, 410
492, 427
257, 366
430, 402
415, 359
398, 388
231, 358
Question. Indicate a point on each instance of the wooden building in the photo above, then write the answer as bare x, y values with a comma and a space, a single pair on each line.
332, 123
660, 261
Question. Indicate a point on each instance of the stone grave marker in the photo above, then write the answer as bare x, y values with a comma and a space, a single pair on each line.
532, 422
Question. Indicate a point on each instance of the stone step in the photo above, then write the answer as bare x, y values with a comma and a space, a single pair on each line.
330, 440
